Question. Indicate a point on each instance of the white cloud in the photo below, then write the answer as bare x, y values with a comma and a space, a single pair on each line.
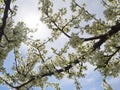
90, 80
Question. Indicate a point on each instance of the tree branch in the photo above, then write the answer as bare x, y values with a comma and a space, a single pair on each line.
76, 61
103, 38
5, 16
107, 61
58, 26
7, 82
87, 12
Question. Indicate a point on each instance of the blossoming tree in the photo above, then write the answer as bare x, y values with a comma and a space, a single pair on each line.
100, 48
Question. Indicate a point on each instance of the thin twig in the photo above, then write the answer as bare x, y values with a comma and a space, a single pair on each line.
58, 26
107, 61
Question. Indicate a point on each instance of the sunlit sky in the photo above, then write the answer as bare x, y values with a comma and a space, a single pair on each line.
28, 12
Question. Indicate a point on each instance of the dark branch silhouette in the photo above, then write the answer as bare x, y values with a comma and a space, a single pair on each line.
4, 19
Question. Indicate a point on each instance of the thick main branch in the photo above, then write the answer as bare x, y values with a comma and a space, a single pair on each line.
5, 16
114, 29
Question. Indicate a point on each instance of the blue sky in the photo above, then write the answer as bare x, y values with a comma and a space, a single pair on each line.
28, 13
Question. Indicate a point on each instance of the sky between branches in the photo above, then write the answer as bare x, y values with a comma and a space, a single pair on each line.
28, 12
